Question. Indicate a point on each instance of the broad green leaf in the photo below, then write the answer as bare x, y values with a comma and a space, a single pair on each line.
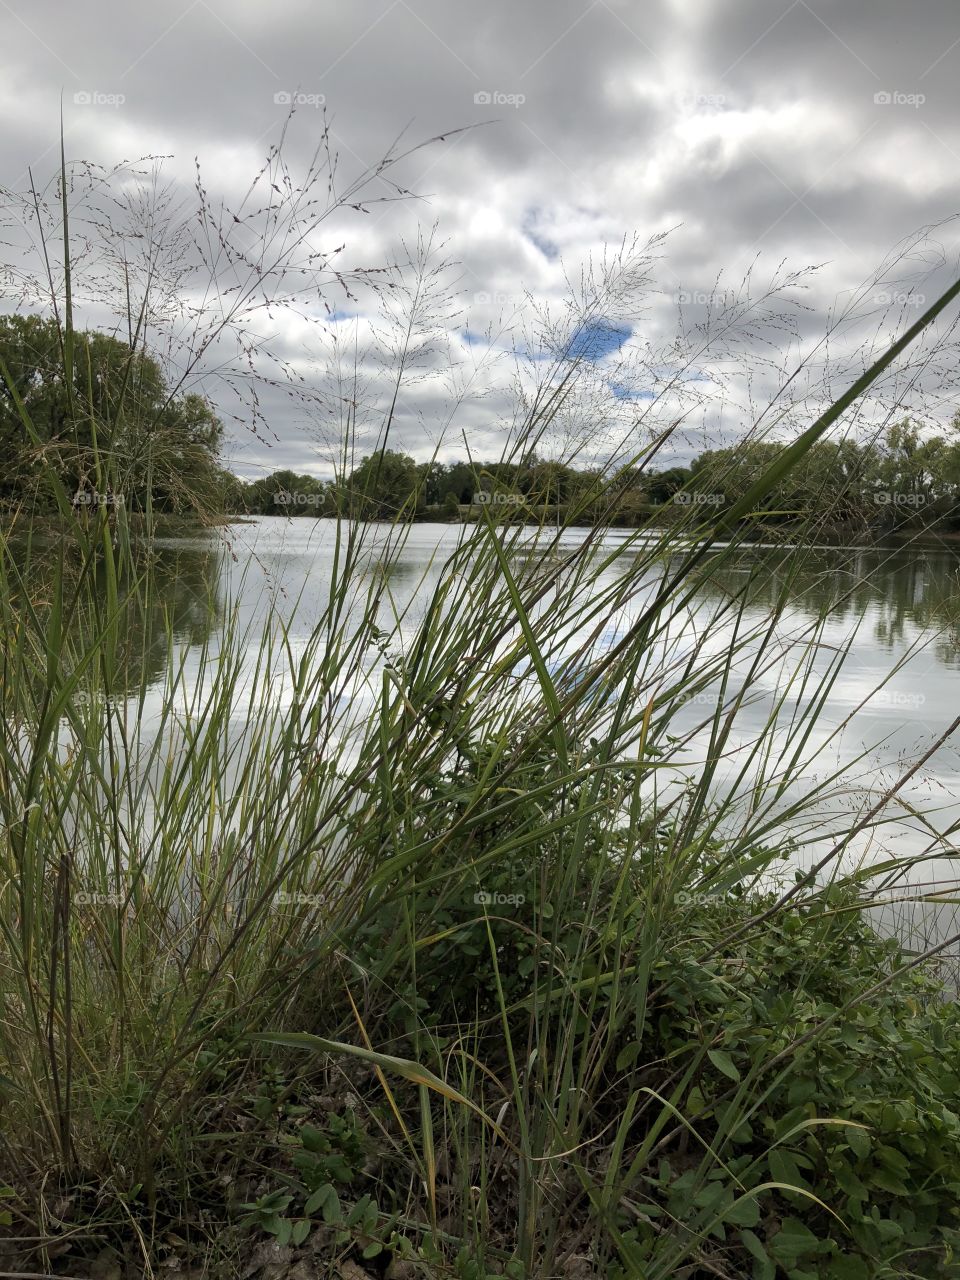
764, 1267
723, 1062
859, 1141
792, 1241
744, 1212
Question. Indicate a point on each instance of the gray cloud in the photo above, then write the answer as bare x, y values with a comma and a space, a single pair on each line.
754, 129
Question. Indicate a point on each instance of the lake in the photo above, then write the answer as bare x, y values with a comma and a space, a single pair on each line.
894, 609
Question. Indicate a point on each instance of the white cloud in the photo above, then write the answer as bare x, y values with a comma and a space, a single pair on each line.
755, 129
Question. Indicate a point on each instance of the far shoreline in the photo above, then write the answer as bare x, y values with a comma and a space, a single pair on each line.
169, 524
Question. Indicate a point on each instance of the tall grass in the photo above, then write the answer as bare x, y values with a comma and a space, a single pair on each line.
475, 869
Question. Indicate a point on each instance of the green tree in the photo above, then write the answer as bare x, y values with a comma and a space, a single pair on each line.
547, 482
662, 485
458, 478
233, 493
117, 426
830, 486
384, 485
911, 474
450, 509
431, 476
173, 459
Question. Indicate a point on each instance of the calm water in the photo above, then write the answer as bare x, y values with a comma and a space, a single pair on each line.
901, 614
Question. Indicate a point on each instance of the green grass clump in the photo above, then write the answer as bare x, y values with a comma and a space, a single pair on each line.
785, 1106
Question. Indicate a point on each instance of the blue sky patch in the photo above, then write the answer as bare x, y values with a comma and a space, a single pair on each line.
597, 339
529, 226
622, 392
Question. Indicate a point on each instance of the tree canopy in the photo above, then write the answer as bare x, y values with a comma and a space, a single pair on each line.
906, 477
115, 424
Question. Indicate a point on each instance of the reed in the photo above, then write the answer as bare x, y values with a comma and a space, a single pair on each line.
450, 939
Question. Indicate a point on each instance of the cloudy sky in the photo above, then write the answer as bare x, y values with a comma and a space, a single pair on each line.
764, 137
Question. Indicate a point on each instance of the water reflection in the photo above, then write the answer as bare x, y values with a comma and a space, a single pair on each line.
169, 588
900, 592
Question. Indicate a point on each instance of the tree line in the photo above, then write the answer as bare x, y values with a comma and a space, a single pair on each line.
114, 432
902, 479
